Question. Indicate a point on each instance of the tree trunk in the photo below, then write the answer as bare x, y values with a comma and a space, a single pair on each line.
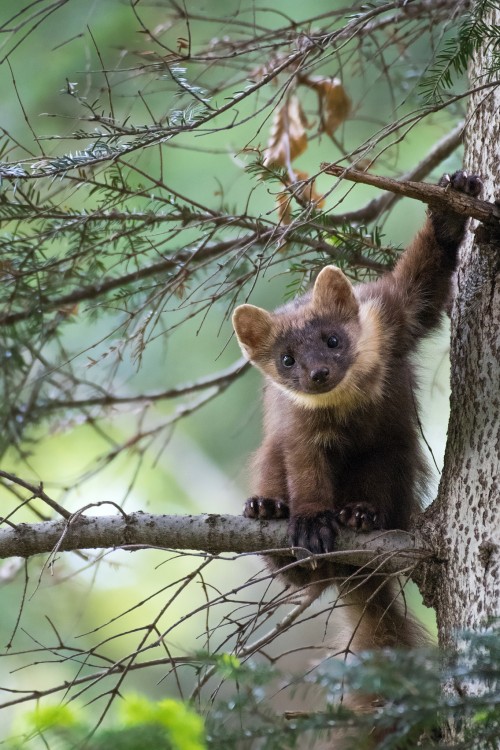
464, 522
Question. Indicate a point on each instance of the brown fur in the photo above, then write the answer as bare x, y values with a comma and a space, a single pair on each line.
341, 432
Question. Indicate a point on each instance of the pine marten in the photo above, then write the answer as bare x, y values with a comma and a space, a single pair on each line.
341, 431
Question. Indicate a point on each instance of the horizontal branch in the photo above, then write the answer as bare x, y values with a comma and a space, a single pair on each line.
93, 291
310, 49
433, 195
41, 304
212, 534
216, 380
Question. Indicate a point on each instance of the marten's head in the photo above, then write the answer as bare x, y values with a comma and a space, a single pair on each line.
322, 349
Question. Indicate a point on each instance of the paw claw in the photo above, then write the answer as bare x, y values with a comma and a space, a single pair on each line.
316, 533
359, 516
470, 184
265, 508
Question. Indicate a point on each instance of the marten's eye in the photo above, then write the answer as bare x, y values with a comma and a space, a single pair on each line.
332, 342
288, 360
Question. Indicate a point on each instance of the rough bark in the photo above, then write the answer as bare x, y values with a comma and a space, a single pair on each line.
437, 197
393, 551
464, 522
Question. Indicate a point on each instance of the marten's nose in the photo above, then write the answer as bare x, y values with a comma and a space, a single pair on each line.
320, 374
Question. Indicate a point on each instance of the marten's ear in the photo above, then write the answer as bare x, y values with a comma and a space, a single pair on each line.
253, 329
332, 289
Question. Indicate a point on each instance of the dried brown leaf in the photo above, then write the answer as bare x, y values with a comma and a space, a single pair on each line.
288, 137
307, 192
304, 193
283, 200
68, 311
334, 104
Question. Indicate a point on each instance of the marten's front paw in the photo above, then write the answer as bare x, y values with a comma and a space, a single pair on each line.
448, 226
360, 516
265, 508
316, 533
470, 184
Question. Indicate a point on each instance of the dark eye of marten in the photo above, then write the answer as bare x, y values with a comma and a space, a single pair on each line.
332, 342
288, 360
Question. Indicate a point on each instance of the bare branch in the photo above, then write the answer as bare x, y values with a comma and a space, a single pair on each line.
439, 152
217, 380
433, 195
211, 534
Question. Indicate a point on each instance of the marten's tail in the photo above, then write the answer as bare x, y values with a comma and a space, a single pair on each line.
377, 615
374, 616
370, 613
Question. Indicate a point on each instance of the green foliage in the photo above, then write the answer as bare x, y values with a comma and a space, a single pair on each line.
53, 717
145, 725
145, 737
410, 705
457, 51
184, 728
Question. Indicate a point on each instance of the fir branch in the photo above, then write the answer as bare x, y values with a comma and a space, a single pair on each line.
367, 21
472, 34
102, 288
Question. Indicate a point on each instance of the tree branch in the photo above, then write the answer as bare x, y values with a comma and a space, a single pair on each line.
215, 380
439, 152
212, 534
93, 291
310, 47
433, 195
